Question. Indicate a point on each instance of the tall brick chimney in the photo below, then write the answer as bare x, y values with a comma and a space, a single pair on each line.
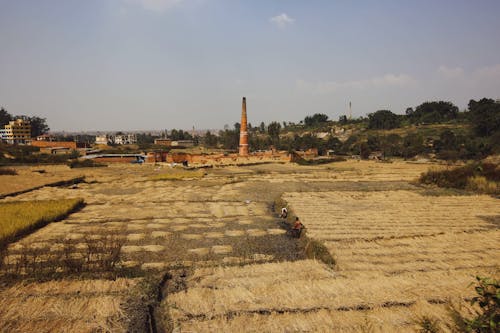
243, 129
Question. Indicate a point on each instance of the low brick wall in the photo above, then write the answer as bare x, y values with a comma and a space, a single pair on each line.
52, 144
115, 159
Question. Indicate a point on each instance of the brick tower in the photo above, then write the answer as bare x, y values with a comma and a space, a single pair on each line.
243, 129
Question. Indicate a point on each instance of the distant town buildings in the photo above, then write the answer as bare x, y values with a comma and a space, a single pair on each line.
182, 143
163, 142
16, 132
45, 137
125, 139
103, 139
117, 139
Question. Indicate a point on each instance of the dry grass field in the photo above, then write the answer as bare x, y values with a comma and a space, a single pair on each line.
66, 306
222, 261
30, 177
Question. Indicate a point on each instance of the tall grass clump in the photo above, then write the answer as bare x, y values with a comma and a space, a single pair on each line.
21, 217
7, 172
179, 174
478, 177
85, 164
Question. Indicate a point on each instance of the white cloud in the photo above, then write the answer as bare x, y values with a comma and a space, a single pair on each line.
489, 72
156, 5
326, 87
450, 72
282, 20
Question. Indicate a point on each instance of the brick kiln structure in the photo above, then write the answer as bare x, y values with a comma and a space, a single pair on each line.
242, 157
243, 129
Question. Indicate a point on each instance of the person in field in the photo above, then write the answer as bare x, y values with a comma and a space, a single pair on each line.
284, 213
297, 228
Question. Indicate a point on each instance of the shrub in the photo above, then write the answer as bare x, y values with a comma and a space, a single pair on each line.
481, 184
479, 176
316, 250
428, 325
487, 317
8, 171
88, 163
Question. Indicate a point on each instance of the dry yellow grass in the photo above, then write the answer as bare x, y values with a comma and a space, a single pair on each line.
397, 254
17, 217
178, 174
307, 296
343, 216
29, 177
65, 306
377, 320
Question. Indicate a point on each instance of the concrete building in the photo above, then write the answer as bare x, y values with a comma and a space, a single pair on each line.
3, 134
17, 132
163, 142
45, 137
118, 139
182, 143
103, 139
125, 139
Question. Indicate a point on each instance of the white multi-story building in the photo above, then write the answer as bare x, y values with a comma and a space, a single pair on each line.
3, 134
104, 139
17, 131
118, 139
125, 139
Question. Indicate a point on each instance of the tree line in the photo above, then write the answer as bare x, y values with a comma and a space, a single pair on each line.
483, 138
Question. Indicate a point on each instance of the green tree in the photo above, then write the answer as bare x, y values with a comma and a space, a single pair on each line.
433, 112
383, 119
180, 135
210, 140
273, 130
392, 145
262, 128
38, 126
316, 119
333, 143
484, 116
5, 117
343, 120
413, 144
230, 139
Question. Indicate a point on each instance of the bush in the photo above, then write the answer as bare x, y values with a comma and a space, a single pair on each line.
8, 172
88, 163
479, 176
317, 250
428, 325
487, 317
481, 184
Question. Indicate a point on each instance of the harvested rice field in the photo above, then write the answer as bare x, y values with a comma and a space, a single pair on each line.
66, 306
220, 259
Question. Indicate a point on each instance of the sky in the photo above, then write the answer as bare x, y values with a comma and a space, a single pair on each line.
88, 65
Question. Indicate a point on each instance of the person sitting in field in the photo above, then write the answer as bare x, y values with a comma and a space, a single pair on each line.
284, 213
297, 228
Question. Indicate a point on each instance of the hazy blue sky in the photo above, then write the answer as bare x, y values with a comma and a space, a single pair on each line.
155, 64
